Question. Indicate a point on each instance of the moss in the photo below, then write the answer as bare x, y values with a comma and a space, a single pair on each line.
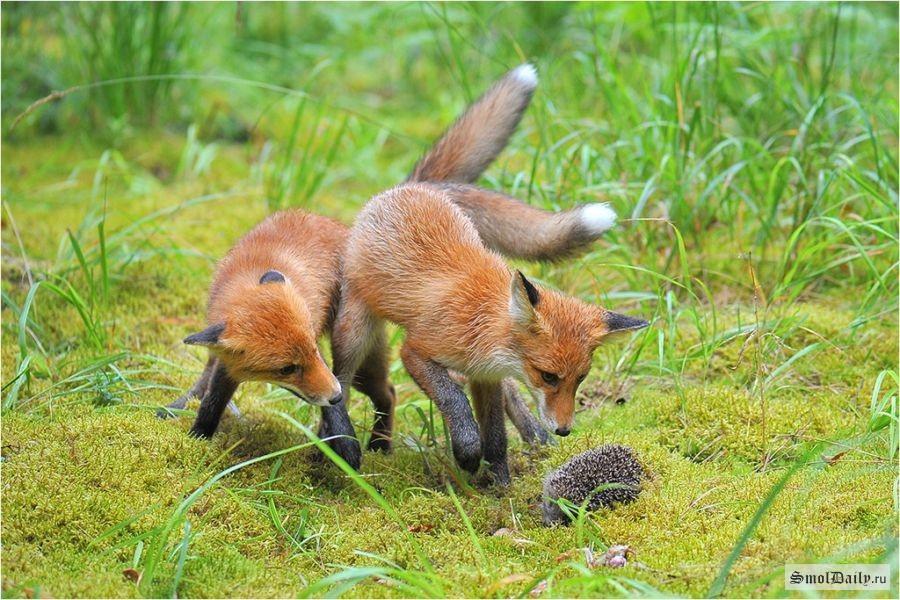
105, 467
736, 424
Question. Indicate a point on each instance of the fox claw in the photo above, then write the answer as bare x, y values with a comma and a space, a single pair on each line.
349, 450
468, 456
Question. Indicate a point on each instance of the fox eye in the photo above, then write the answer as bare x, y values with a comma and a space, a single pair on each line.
550, 378
288, 370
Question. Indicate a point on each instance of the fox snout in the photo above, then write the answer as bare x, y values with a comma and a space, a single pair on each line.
329, 396
330, 400
556, 412
318, 386
561, 417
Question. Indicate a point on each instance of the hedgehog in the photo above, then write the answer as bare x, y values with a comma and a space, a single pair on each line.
579, 478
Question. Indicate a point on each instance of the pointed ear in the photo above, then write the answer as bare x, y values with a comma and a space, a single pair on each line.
524, 297
614, 323
271, 277
208, 337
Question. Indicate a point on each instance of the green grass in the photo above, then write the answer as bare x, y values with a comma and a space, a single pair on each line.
750, 149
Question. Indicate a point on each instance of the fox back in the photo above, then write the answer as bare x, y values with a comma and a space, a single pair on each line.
415, 259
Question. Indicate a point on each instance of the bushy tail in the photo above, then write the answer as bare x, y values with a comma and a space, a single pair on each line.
479, 134
518, 230
505, 224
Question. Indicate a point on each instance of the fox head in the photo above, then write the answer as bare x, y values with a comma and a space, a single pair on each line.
267, 336
556, 336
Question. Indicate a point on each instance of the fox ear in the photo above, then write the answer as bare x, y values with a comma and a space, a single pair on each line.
611, 322
208, 337
271, 277
524, 297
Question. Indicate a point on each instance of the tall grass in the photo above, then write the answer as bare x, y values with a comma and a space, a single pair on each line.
109, 41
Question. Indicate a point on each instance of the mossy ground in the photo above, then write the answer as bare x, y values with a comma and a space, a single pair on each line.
765, 349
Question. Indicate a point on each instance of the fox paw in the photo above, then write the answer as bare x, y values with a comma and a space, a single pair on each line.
468, 456
379, 443
348, 449
166, 412
544, 438
500, 474
202, 432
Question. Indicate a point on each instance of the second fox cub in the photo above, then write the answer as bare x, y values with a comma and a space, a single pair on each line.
418, 256
272, 297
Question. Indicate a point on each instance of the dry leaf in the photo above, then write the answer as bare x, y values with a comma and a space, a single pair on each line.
834, 458
509, 579
566, 555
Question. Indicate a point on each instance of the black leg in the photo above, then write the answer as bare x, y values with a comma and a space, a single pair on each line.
372, 380
488, 400
336, 425
435, 381
212, 405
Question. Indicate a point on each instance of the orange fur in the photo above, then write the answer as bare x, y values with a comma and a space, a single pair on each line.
415, 259
272, 325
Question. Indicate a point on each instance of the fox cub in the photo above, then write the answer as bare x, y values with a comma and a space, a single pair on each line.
421, 255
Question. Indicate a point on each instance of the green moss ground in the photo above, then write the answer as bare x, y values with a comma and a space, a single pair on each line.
773, 327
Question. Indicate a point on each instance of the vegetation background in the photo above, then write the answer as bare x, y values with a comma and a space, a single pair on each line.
751, 150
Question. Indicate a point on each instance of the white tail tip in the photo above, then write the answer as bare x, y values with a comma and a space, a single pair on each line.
597, 218
526, 75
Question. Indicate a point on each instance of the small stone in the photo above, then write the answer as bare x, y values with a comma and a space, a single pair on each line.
538, 589
616, 562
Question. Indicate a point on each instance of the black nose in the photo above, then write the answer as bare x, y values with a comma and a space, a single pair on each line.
563, 431
336, 400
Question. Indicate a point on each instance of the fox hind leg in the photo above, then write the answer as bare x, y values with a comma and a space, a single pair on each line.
450, 399
372, 380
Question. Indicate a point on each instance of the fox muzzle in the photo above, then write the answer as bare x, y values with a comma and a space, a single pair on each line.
315, 400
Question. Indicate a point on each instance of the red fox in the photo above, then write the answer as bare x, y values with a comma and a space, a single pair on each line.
276, 291
275, 294
418, 256
272, 297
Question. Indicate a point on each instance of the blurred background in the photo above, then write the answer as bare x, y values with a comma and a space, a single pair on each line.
381, 79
